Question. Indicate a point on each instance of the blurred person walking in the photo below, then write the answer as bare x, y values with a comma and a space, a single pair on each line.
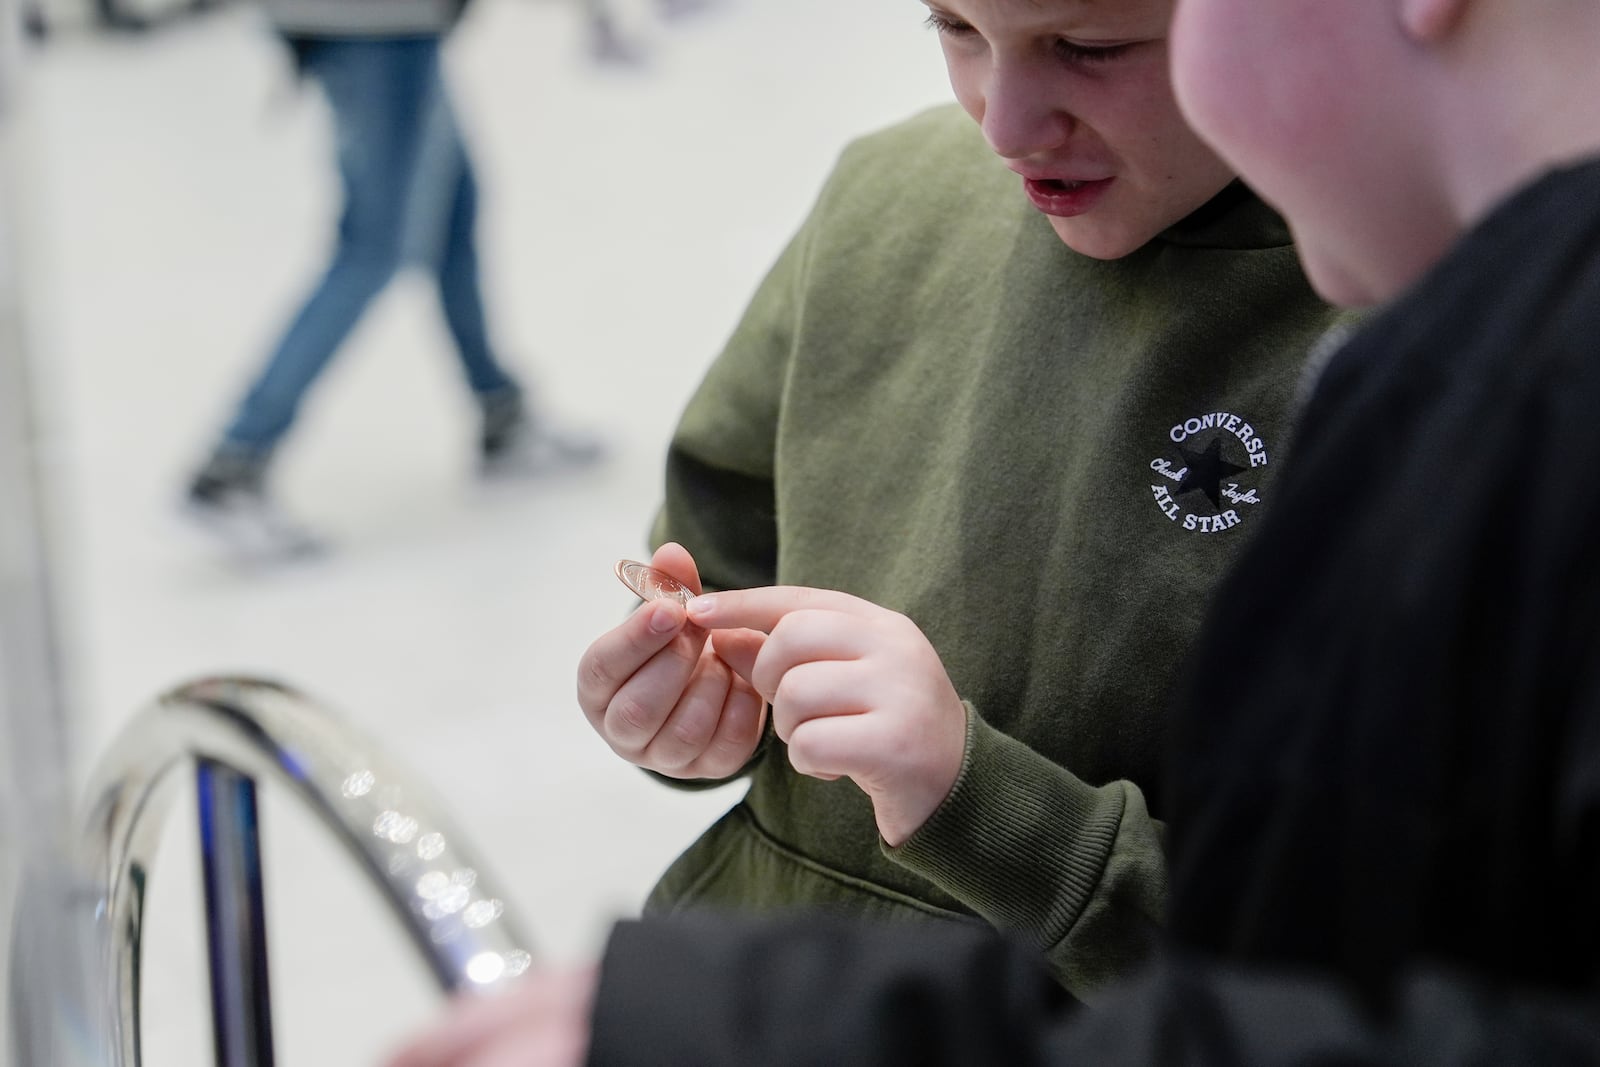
410, 198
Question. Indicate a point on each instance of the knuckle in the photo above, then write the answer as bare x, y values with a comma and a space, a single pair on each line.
799, 751
787, 687
731, 749
792, 693
627, 718
719, 761
809, 753
688, 733
805, 621
670, 765
595, 681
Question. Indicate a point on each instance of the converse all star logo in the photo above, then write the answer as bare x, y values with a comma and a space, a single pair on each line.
1207, 477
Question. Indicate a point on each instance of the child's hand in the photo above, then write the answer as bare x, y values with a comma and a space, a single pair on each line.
856, 690
659, 696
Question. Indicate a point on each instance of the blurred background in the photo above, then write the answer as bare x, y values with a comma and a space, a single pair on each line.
173, 198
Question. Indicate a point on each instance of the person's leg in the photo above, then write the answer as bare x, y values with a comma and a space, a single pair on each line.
377, 91
442, 235
454, 196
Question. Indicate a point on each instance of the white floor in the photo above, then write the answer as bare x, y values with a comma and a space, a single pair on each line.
178, 199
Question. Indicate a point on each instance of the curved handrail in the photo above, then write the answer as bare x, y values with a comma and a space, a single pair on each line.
385, 819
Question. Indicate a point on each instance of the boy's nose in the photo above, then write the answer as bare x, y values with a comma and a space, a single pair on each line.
1018, 121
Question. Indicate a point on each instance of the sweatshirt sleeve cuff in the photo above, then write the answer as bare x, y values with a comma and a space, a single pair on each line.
1020, 840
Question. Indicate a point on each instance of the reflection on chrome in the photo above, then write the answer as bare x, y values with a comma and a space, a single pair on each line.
236, 731
490, 967
359, 784
393, 826
482, 912
486, 967
430, 885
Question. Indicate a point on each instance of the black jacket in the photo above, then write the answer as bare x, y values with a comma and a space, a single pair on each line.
1390, 747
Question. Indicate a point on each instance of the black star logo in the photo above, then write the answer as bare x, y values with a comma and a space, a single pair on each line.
1206, 471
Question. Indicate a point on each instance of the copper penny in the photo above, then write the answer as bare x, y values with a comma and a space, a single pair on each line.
651, 584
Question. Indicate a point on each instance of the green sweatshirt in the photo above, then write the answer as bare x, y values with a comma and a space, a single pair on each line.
1045, 461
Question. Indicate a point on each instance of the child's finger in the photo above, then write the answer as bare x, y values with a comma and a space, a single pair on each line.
617, 655
764, 607
739, 649
676, 561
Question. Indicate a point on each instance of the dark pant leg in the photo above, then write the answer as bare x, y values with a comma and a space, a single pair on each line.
379, 92
445, 211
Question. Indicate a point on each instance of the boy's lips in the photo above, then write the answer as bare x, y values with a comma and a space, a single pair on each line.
1063, 197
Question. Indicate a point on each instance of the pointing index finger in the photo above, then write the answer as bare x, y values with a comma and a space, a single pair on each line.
764, 607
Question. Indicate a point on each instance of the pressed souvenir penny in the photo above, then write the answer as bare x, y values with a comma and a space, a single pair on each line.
651, 584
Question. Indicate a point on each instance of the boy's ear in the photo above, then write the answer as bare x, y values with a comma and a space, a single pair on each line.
1427, 21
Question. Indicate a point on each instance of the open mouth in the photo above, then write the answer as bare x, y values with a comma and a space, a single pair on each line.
1056, 185
1064, 198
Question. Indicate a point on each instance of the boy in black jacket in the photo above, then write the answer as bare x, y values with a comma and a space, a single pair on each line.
1386, 832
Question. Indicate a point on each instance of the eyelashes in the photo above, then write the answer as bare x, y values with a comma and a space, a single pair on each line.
1082, 53
1071, 51
946, 26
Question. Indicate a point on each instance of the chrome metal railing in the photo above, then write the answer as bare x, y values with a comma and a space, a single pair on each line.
233, 731
48, 1011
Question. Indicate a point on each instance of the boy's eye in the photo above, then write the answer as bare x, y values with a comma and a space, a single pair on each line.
1065, 49
1085, 53
946, 25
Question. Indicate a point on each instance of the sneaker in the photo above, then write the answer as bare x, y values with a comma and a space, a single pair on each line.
228, 502
515, 442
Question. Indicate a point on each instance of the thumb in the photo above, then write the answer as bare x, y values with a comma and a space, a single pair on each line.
676, 561
739, 649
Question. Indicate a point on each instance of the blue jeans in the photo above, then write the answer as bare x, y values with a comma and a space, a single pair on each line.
409, 197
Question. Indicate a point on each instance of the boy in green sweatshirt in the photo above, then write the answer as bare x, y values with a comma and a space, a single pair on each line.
987, 434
